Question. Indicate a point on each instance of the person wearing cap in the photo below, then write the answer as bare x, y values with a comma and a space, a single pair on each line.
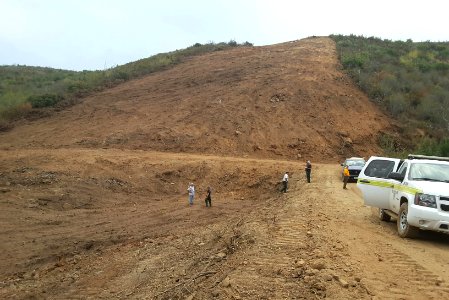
308, 169
191, 190
285, 183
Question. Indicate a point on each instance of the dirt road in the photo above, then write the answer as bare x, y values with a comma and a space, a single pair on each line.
115, 224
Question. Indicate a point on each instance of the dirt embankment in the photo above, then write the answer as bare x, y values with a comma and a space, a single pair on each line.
93, 200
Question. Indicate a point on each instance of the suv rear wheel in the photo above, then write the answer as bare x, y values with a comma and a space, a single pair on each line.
404, 229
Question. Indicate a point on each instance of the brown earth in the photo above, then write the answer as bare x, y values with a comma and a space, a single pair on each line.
277, 101
93, 199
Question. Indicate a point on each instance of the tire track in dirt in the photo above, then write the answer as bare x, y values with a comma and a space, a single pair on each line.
268, 265
294, 257
414, 279
389, 267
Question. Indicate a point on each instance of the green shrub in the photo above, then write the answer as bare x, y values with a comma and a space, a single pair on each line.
13, 113
397, 104
121, 75
232, 43
353, 61
391, 145
428, 146
441, 66
12, 105
430, 109
45, 100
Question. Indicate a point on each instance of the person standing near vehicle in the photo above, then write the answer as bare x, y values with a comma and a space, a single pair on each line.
345, 177
285, 183
208, 197
308, 169
191, 190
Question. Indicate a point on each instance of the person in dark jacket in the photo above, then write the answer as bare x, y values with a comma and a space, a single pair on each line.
208, 199
308, 169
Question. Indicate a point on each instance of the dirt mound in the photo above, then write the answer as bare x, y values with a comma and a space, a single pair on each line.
288, 100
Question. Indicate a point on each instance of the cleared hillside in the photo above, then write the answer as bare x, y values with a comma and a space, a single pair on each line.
288, 100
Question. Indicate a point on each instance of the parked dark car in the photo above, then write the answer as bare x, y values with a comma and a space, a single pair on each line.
355, 165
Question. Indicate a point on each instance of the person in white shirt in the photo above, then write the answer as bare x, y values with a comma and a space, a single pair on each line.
191, 190
285, 183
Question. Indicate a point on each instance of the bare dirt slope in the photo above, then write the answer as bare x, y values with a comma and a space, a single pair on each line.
72, 229
93, 200
274, 101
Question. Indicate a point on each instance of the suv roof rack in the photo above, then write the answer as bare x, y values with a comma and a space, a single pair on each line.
415, 156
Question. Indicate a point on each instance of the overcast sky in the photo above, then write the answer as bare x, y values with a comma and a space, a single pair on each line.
98, 34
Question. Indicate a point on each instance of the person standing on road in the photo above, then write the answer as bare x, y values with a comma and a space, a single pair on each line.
191, 190
345, 177
308, 169
285, 183
208, 197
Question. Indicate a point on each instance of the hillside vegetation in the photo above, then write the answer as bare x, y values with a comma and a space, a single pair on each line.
23, 88
410, 80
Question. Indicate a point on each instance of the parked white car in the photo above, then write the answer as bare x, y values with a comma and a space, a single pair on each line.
415, 191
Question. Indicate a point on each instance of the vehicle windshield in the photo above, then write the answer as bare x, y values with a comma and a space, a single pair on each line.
355, 162
429, 171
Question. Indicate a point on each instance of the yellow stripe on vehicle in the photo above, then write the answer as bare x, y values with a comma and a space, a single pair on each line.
407, 189
376, 183
399, 187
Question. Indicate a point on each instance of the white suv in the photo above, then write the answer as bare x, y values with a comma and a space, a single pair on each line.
415, 191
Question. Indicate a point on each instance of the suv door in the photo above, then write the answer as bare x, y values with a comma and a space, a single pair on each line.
395, 199
374, 183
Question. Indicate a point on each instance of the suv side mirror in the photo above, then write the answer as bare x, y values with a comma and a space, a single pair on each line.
396, 176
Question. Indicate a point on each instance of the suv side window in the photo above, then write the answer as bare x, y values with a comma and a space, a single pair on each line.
403, 169
379, 168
